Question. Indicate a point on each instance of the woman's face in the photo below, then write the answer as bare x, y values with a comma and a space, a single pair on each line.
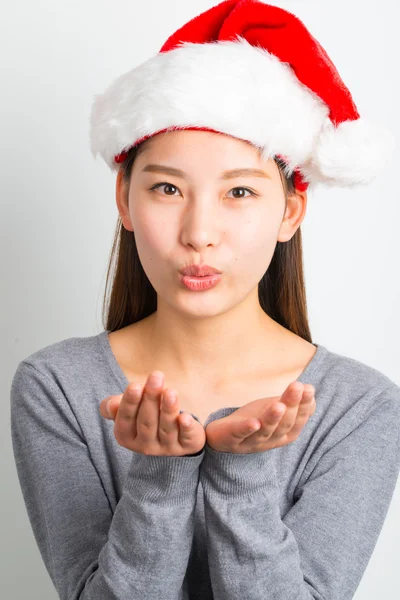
204, 215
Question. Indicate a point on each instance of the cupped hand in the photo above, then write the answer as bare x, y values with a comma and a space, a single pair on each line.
145, 422
265, 423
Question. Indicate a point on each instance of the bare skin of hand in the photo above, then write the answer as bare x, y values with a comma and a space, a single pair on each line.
145, 423
279, 421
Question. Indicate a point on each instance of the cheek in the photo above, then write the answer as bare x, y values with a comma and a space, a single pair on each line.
153, 239
253, 247
256, 237
147, 226
153, 235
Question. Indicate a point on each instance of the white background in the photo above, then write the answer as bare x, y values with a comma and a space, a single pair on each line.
58, 210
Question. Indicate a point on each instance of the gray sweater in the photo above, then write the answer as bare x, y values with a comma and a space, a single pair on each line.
297, 522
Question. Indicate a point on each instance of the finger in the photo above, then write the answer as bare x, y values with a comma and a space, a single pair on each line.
293, 394
149, 411
301, 421
186, 427
308, 392
112, 406
168, 428
291, 398
307, 402
125, 418
272, 419
104, 407
240, 430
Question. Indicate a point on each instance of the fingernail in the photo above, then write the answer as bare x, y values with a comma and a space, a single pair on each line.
169, 399
186, 420
254, 427
297, 387
155, 380
279, 409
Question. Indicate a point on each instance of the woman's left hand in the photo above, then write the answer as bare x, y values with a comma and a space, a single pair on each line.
292, 410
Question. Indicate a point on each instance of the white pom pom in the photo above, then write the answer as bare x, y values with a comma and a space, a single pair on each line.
352, 153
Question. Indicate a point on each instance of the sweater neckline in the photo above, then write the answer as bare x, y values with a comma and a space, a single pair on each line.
306, 376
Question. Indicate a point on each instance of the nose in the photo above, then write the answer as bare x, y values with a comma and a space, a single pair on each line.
201, 226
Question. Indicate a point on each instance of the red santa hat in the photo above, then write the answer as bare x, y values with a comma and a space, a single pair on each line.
252, 71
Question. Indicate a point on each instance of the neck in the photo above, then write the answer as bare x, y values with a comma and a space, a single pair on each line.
217, 348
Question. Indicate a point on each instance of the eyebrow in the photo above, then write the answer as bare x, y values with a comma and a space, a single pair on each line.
225, 175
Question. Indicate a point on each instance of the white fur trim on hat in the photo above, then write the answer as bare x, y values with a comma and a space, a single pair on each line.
243, 91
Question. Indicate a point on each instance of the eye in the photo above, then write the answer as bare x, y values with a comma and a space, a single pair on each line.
247, 190
166, 184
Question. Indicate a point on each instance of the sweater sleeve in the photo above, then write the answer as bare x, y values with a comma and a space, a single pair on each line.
322, 546
140, 551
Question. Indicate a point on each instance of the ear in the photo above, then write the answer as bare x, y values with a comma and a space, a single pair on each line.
122, 198
294, 214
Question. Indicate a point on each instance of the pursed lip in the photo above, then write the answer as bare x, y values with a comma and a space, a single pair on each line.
198, 270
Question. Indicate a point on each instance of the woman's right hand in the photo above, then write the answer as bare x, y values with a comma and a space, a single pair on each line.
145, 423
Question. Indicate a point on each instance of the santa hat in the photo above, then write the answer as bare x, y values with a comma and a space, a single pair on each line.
252, 71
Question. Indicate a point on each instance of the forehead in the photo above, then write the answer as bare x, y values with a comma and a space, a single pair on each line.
196, 149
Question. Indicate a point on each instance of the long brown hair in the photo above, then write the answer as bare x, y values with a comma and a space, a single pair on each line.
130, 297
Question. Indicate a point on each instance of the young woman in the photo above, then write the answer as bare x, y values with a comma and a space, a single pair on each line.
258, 464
